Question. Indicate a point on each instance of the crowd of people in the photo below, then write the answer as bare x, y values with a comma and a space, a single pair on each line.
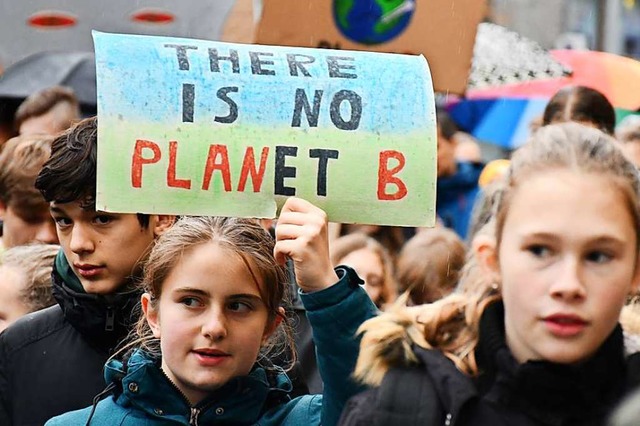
518, 308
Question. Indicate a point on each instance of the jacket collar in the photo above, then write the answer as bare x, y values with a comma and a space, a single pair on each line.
141, 382
549, 392
66, 274
552, 394
102, 320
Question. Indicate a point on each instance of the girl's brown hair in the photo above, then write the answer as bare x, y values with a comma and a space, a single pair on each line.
429, 265
243, 237
451, 324
391, 237
581, 104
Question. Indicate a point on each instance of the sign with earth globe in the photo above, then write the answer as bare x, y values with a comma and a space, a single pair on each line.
441, 30
372, 21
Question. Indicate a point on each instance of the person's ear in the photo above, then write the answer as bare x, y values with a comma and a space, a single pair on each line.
151, 314
163, 223
485, 251
3, 210
273, 326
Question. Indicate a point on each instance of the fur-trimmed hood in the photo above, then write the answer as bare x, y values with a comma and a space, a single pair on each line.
388, 339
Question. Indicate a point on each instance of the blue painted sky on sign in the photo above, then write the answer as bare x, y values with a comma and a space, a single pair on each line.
150, 84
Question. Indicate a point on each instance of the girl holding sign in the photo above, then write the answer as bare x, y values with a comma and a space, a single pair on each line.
542, 344
211, 303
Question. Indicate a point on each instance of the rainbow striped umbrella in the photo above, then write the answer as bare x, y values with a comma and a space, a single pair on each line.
503, 114
617, 77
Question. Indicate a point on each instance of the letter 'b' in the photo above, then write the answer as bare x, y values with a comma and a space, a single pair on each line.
386, 176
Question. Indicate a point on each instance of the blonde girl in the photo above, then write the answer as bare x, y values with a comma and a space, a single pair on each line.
542, 344
25, 281
212, 294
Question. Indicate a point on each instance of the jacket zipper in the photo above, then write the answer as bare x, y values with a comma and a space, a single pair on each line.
194, 412
111, 319
173, 385
193, 420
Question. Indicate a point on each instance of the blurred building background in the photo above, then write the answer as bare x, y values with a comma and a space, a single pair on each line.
30, 25
608, 25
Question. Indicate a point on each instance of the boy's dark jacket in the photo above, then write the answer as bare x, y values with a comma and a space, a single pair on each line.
51, 361
505, 393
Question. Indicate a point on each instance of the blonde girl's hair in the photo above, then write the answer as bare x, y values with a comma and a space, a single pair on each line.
628, 130
451, 324
34, 262
242, 237
349, 243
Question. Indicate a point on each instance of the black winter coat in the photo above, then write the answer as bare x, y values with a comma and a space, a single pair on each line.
51, 361
535, 393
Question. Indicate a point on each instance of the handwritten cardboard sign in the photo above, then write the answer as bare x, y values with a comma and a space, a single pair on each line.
197, 127
442, 30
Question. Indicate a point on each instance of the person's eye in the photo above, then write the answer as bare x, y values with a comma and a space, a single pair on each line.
103, 219
598, 256
191, 302
62, 222
539, 250
240, 307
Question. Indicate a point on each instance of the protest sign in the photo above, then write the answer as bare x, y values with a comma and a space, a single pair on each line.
197, 127
441, 30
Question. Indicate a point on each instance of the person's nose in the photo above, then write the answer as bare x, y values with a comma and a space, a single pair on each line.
46, 233
215, 325
81, 241
569, 284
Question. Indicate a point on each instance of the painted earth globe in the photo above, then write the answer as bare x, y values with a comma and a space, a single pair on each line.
372, 21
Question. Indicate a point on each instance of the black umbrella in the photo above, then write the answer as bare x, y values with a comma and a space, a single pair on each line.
76, 70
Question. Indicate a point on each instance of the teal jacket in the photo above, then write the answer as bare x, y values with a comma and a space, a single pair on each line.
143, 395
